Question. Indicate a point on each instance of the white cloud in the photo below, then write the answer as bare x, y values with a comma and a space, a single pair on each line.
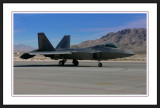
18, 30
135, 24
141, 23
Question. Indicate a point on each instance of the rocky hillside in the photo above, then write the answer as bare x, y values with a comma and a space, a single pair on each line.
129, 39
23, 48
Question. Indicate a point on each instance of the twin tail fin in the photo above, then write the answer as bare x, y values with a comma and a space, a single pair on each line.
64, 43
44, 43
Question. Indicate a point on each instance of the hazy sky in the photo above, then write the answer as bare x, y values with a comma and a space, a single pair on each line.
81, 27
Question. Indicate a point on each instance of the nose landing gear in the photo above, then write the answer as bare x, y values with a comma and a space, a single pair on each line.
99, 64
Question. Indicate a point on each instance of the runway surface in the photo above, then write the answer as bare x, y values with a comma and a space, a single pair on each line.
47, 78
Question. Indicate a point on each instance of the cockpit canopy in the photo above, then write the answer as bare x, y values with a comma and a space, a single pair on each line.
109, 45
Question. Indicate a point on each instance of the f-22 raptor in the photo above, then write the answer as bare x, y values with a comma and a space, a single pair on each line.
64, 52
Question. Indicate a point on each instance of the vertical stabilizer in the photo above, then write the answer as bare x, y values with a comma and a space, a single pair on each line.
64, 43
44, 43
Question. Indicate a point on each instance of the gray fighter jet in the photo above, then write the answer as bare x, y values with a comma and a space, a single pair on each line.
64, 52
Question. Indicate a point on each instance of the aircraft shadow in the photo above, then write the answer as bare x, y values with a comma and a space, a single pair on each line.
51, 66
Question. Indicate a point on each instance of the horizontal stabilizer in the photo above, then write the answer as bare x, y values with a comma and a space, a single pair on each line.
26, 56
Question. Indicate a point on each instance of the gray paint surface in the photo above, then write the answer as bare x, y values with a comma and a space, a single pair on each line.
63, 51
47, 78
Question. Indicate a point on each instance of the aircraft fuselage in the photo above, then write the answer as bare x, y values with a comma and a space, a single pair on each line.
64, 52
86, 53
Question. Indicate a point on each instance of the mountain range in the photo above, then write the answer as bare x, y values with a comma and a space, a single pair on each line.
129, 39
23, 48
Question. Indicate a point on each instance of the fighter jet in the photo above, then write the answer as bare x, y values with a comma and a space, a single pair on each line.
64, 52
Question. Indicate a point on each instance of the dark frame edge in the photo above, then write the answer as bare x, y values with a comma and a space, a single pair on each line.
1, 55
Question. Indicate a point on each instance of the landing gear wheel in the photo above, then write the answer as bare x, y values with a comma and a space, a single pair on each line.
99, 64
75, 62
61, 63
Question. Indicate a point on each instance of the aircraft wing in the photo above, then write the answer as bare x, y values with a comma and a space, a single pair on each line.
86, 52
96, 52
58, 52
49, 52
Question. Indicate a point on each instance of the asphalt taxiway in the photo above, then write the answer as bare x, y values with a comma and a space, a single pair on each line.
47, 78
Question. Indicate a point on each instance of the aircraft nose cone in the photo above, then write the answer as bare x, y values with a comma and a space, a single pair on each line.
129, 53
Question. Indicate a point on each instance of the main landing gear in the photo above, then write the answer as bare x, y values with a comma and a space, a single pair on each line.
75, 62
99, 63
62, 62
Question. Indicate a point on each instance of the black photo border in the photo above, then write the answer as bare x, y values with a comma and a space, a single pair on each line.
80, 1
